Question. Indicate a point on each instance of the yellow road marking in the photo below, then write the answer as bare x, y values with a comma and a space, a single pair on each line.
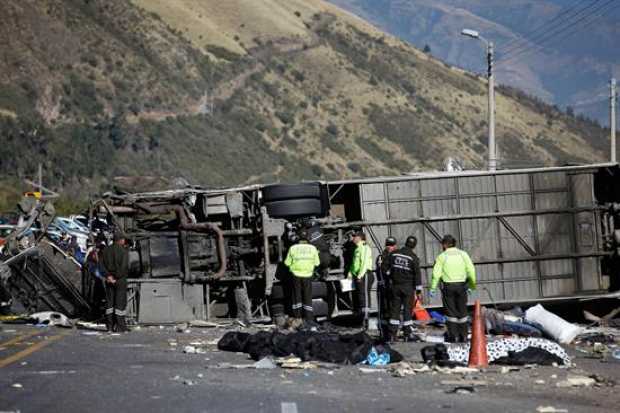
20, 338
28, 351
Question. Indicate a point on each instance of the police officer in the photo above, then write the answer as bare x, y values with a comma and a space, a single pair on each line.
404, 272
115, 266
301, 260
456, 271
384, 285
361, 272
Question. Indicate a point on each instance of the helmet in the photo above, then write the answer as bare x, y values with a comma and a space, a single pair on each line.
390, 241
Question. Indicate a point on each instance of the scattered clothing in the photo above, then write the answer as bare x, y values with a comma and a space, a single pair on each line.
499, 323
438, 355
508, 349
307, 345
378, 357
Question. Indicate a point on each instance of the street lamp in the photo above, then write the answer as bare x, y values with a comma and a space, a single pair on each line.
492, 149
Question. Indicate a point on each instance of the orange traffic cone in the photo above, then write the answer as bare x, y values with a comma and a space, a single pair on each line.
418, 312
478, 347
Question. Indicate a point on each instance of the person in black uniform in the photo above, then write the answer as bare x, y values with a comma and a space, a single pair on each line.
404, 272
384, 286
115, 266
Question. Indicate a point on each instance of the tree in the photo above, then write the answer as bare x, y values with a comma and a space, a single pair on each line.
427, 49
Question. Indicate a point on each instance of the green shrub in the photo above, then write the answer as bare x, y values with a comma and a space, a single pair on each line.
332, 129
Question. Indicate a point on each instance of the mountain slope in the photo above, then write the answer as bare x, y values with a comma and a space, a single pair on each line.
569, 65
244, 92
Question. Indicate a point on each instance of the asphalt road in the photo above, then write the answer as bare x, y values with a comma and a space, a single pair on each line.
66, 370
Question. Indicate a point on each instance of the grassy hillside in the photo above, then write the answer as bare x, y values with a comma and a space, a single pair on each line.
571, 68
223, 93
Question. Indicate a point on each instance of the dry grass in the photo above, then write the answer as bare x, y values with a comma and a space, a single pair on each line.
8, 113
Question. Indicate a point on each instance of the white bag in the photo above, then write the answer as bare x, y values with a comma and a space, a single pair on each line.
347, 285
561, 330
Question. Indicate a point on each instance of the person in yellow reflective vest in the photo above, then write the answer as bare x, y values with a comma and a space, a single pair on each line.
301, 260
455, 269
362, 274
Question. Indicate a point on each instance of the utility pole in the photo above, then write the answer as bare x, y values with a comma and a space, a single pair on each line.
612, 117
492, 148
491, 109
40, 178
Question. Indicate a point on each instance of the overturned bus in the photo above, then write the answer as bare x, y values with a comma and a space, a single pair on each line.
534, 235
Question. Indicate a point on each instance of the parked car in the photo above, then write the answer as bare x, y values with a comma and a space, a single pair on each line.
5, 230
70, 224
65, 225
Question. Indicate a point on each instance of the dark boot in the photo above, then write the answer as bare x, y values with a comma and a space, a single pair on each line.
384, 331
109, 323
392, 334
449, 338
407, 334
121, 325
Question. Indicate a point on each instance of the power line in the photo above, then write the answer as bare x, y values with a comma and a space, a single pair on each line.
546, 26
590, 102
554, 27
574, 25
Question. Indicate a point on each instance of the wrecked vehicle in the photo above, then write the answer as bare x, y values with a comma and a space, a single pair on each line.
534, 235
34, 274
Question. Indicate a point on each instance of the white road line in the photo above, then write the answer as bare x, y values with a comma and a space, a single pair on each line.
289, 407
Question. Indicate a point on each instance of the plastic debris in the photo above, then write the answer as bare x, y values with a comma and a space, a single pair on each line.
438, 317
204, 324
455, 370
265, 363
464, 383
17, 386
85, 325
508, 369
193, 350
377, 359
550, 409
561, 330
296, 363
51, 318
433, 339
368, 370
54, 372
576, 381
404, 369
462, 390
182, 328
232, 366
